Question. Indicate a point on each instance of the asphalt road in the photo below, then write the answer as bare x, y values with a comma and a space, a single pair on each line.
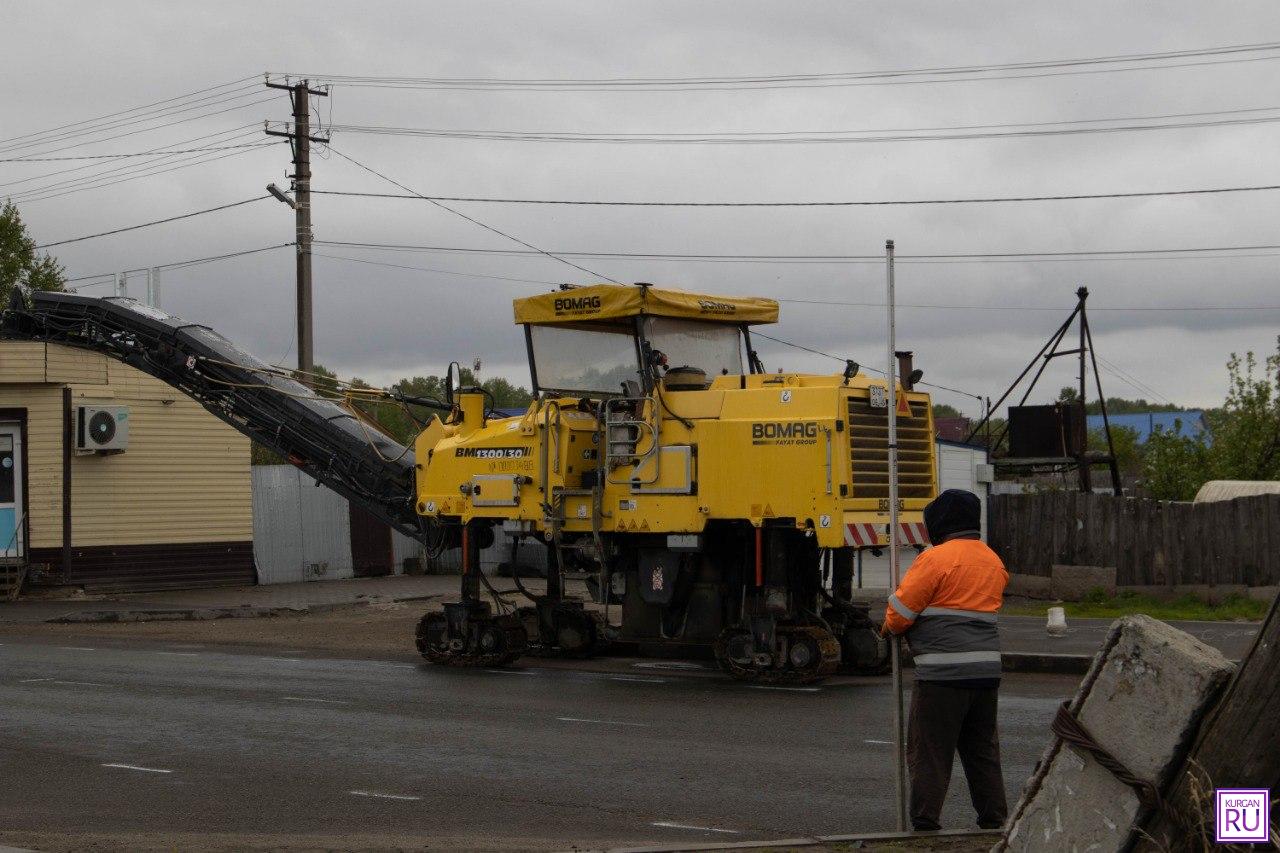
145, 744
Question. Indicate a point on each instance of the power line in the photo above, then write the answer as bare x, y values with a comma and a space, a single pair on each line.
155, 222
125, 112
1117, 254
1059, 308
440, 271
1131, 380
844, 304
758, 334
103, 171
107, 128
204, 140
158, 127
152, 153
876, 203
942, 74
797, 137
200, 160
183, 264
471, 219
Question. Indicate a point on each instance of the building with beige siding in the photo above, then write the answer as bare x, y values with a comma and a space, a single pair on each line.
166, 503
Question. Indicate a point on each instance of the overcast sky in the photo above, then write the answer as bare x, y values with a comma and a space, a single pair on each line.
65, 62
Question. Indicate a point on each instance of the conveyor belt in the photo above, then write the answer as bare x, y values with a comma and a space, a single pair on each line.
312, 432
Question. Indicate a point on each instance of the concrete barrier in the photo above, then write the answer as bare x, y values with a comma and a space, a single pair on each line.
1142, 700
1072, 583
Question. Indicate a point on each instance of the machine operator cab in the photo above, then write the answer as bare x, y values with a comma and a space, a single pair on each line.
607, 340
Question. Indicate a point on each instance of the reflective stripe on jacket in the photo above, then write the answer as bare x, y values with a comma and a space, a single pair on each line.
947, 606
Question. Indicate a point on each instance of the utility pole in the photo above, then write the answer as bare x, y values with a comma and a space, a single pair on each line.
895, 643
300, 138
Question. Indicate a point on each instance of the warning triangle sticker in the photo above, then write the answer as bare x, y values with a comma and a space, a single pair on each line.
768, 510
904, 407
644, 524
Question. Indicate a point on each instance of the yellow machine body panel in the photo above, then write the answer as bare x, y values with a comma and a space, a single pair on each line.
611, 302
759, 448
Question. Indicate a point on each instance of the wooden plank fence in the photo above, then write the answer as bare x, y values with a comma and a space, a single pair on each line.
1159, 543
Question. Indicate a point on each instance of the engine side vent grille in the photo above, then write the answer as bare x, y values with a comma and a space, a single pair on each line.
869, 451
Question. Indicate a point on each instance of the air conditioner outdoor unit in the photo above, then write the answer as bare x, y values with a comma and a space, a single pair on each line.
102, 429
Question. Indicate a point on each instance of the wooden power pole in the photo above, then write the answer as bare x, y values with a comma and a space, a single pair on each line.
300, 138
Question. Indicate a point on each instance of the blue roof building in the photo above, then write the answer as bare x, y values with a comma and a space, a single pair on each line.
1187, 424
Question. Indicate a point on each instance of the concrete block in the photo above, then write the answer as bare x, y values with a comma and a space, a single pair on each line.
1071, 583
1030, 586
1142, 700
1263, 593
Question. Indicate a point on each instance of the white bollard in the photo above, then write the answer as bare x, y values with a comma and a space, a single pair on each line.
1057, 626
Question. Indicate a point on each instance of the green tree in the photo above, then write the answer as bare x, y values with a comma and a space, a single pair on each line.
20, 263
945, 410
1246, 430
1174, 467
403, 421
1128, 450
1242, 442
1118, 405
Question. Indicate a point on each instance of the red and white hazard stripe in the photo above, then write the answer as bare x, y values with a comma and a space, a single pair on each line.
862, 535
874, 535
913, 533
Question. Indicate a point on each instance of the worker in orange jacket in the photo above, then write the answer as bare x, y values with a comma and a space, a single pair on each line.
947, 606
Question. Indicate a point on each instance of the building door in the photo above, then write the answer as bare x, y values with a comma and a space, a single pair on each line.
11, 542
371, 550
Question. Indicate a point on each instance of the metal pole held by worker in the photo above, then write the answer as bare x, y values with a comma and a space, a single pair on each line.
899, 723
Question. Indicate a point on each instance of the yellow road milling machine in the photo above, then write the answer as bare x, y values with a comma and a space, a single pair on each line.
715, 505
718, 504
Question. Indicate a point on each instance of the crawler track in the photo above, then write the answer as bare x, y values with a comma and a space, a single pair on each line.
825, 663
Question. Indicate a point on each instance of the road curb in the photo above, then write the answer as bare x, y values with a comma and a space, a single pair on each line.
807, 841
1045, 662
200, 614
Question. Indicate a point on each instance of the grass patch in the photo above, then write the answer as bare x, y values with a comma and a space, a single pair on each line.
1097, 604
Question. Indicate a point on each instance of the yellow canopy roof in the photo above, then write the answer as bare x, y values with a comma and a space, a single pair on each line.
614, 301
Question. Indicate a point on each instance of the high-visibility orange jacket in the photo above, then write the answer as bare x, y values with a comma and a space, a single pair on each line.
947, 605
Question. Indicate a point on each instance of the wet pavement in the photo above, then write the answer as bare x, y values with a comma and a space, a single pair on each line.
147, 739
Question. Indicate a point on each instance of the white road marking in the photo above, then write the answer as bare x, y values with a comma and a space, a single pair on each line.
511, 671
666, 824
669, 664
601, 722
882, 742
643, 679
284, 660
80, 683
180, 654
309, 699
381, 796
778, 687
76, 648
33, 680
135, 767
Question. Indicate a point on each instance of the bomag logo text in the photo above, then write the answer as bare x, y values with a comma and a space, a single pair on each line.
577, 304
710, 306
793, 432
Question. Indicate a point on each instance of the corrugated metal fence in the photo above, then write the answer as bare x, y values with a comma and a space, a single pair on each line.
1148, 542
302, 532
